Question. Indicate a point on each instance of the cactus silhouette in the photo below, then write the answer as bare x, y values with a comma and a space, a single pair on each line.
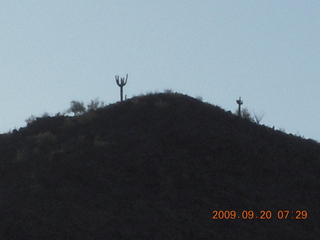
239, 102
121, 84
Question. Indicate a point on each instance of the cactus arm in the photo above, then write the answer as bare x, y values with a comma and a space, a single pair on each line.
126, 79
117, 80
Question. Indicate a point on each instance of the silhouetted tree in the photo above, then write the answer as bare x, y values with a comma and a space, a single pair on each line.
95, 104
31, 119
168, 91
245, 113
77, 108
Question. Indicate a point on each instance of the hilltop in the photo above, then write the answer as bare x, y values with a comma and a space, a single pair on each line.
156, 167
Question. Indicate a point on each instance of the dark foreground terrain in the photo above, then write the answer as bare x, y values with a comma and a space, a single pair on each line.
156, 167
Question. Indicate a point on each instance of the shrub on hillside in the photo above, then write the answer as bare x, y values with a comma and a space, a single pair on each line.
95, 104
77, 108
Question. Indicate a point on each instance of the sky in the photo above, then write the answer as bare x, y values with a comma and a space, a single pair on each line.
266, 52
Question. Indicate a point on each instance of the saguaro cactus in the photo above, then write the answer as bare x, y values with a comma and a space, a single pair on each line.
121, 84
239, 102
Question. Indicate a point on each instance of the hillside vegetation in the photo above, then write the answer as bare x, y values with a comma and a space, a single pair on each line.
156, 167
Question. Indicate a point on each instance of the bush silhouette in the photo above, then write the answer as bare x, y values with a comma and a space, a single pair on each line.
77, 108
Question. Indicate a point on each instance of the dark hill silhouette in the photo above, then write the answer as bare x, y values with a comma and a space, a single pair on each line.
156, 167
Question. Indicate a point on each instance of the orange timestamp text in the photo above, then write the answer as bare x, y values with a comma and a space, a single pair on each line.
263, 214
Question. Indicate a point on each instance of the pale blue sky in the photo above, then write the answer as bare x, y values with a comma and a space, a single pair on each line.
267, 52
